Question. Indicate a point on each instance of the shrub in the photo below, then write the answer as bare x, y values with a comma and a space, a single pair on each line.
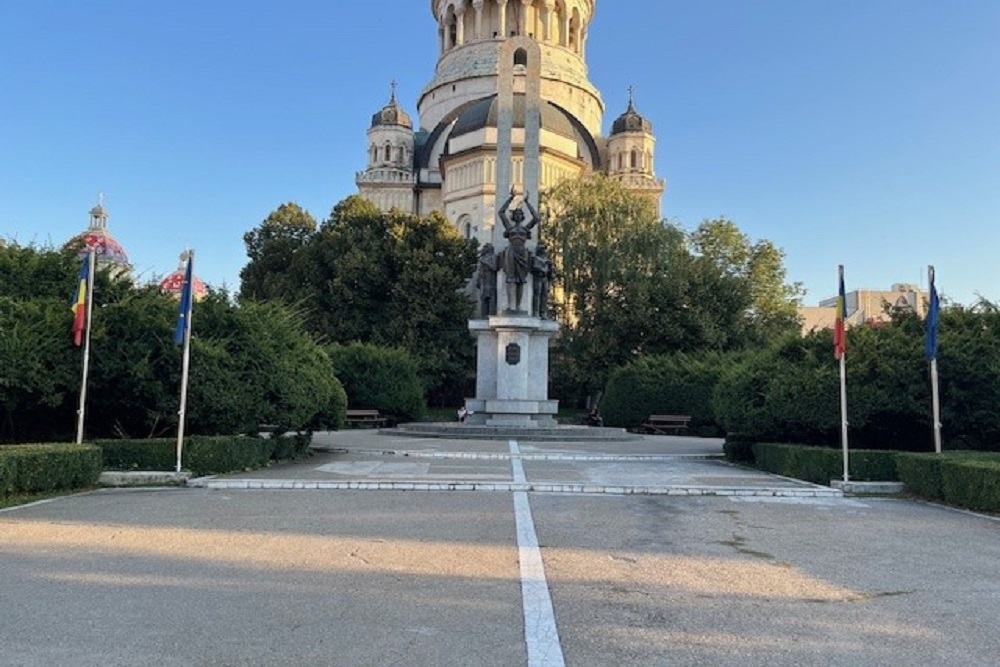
819, 465
203, 455
738, 449
379, 378
971, 482
921, 474
40, 468
674, 384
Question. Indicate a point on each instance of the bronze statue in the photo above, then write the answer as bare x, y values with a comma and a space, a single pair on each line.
486, 281
515, 259
543, 274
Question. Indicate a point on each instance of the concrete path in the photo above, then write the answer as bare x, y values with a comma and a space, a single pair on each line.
502, 576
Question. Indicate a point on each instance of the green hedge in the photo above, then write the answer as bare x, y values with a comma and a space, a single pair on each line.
680, 384
380, 378
819, 465
973, 478
921, 474
972, 483
202, 455
41, 468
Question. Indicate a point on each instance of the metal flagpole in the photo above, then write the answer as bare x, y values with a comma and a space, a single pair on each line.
937, 405
932, 353
840, 351
843, 414
89, 296
185, 364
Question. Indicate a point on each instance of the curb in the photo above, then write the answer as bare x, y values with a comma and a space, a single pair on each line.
579, 489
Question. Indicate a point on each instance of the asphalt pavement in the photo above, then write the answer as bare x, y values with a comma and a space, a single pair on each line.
398, 551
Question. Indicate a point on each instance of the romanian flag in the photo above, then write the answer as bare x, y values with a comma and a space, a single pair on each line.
184, 312
839, 335
80, 303
933, 313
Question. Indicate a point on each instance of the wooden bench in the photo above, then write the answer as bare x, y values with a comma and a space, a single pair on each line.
662, 424
365, 418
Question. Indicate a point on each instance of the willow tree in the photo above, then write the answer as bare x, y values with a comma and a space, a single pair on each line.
628, 285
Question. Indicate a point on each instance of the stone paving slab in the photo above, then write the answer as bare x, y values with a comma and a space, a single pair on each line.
484, 467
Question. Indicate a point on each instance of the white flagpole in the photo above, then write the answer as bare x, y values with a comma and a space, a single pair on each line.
185, 364
843, 414
937, 405
841, 350
80, 413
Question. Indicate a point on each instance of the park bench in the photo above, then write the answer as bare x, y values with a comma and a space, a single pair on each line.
365, 418
662, 424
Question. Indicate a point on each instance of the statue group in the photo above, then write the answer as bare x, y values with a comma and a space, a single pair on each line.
517, 262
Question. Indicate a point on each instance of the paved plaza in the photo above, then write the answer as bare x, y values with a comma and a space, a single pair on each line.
383, 550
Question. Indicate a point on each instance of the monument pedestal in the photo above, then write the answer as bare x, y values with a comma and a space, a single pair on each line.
512, 371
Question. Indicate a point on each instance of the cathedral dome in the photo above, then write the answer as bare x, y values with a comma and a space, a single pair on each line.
483, 114
631, 121
392, 114
173, 283
107, 250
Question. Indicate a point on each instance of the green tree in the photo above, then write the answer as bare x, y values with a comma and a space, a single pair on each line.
774, 302
272, 248
389, 279
628, 286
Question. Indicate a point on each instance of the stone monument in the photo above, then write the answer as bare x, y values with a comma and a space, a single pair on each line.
512, 330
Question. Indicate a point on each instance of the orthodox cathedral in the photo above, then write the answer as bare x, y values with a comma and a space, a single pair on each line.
448, 162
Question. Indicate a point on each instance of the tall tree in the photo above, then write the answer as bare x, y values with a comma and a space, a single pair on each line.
774, 301
389, 279
630, 284
272, 248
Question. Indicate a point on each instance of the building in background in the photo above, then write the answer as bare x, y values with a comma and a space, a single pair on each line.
108, 252
447, 162
865, 306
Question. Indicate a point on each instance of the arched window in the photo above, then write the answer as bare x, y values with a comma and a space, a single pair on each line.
400, 155
634, 159
621, 160
387, 153
521, 57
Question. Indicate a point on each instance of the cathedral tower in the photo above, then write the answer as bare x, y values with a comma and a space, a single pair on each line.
452, 164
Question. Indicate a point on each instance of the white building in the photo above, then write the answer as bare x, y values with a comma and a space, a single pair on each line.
448, 163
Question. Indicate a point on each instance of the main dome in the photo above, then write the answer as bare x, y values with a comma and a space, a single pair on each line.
484, 113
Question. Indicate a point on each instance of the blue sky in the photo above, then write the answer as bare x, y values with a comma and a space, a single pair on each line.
862, 132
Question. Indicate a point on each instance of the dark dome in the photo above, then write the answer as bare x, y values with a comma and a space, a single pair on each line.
392, 114
483, 114
631, 121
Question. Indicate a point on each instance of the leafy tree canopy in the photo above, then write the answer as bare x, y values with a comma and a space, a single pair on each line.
389, 279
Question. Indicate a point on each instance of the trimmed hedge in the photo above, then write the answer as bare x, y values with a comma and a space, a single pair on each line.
669, 384
819, 465
973, 478
202, 455
380, 378
972, 483
921, 474
41, 468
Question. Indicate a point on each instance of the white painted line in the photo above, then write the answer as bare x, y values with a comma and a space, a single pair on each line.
540, 633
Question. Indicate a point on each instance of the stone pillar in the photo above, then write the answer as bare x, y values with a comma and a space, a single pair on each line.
460, 25
550, 6
478, 6
512, 349
512, 372
502, 19
522, 24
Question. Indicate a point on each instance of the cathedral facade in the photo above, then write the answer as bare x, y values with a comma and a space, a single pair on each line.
447, 161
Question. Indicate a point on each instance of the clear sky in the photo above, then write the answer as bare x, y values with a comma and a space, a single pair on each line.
862, 132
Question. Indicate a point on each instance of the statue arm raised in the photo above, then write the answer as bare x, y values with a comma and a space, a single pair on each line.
535, 218
503, 210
